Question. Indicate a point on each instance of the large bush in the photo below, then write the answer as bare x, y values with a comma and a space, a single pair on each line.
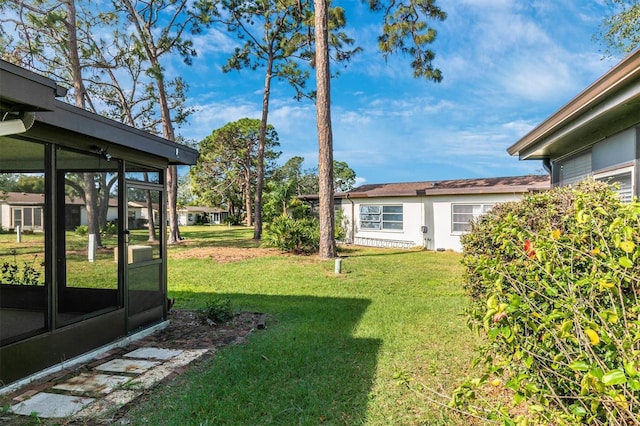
554, 286
300, 236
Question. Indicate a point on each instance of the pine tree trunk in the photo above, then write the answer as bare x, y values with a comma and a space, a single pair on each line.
325, 137
90, 195
172, 171
257, 203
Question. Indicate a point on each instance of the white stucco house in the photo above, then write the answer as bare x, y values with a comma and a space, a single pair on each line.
431, 214
27, 211
194, 215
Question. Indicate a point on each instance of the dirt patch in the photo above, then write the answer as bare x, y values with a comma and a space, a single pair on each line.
186, 331
224, 254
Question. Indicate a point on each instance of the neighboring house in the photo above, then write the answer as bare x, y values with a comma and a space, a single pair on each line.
68, 309
21, 209
138, 214
195, 215
431, 214
27, 211
596, 134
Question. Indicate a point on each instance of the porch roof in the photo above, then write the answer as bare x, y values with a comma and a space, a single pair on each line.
55, 121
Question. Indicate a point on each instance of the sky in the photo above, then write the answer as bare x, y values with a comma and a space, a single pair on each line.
507, 65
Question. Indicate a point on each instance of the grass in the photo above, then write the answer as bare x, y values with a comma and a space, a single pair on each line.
378, 344
375, 345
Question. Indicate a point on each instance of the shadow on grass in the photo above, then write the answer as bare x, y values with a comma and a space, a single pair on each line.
306, 368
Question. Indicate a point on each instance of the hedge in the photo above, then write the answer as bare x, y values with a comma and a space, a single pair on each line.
553, 281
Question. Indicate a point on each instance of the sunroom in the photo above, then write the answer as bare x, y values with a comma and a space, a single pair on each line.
64, 289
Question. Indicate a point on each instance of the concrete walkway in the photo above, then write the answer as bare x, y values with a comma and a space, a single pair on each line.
100, 388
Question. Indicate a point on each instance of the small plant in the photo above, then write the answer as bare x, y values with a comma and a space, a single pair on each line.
29, 275
82, 230
217, 310
232, 219
110, 228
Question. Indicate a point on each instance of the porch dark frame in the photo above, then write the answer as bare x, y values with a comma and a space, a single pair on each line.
59, 125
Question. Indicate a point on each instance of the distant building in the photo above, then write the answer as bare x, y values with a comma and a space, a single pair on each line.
197, 215
431, 214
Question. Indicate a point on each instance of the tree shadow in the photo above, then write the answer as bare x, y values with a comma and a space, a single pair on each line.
306, 368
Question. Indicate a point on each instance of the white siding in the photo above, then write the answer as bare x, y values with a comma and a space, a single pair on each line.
444, 237
433, 211
409, 236
5, 217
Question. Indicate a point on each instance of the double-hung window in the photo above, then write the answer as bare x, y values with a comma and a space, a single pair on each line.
463, 214
381, 217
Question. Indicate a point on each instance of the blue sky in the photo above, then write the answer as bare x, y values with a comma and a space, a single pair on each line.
507, 65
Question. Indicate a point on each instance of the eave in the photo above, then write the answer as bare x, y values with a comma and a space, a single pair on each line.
609, 105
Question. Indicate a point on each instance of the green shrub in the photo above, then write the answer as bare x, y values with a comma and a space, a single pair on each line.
82, 230
554, 285
29, 274
232, 219
300, 236
297, 209
218, 310
110, 228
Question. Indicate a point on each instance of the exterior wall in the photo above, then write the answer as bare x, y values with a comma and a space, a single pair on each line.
409, 236
616, 152
112, 213
444, 238
431, 214
5, 217
182, 218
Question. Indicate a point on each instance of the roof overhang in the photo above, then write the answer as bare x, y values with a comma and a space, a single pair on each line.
84, 127
608, 106
22, 91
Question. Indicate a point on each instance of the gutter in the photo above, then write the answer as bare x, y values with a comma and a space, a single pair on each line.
353, 218
619, 75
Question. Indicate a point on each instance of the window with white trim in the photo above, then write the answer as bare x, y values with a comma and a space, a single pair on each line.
621, 181
381, 217
463, 214
27, 217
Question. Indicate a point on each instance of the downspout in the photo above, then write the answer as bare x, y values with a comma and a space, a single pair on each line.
353, 219
546, 164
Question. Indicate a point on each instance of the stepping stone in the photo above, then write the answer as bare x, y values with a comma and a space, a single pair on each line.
186, 357
155, 353
51, 405
135, 366
102, 383
109, 404
157, 374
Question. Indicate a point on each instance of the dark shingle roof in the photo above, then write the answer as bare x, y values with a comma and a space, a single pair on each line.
498, 185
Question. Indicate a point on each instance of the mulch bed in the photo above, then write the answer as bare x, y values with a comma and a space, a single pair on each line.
185, 331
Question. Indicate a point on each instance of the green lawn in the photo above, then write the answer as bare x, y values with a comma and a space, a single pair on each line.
375, 345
